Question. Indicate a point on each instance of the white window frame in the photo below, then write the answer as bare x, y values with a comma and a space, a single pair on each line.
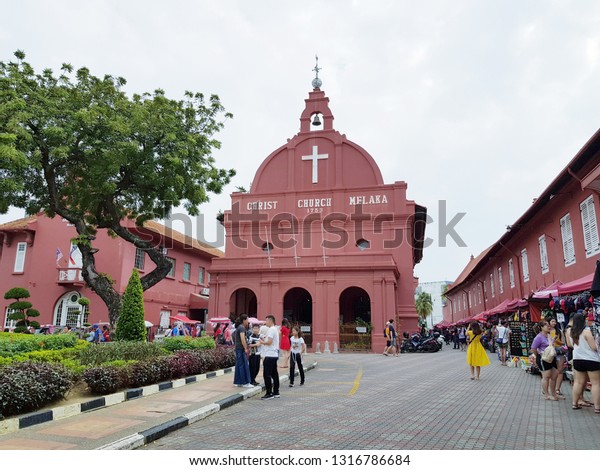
511, 273
589, 223
493, 287
139, 259
470, 300
201, 275
500, 281
187, 272
9, 323
525, 264
172, 271
20, 257
543, 254
566, 232
479, 294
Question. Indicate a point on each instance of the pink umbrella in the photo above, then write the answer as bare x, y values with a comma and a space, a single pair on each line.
255, 321
219, 320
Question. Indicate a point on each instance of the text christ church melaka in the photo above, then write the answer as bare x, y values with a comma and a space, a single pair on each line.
321, 240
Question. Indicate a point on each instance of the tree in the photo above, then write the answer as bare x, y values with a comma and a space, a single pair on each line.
79, 147
21, 309
131, 326
424, 305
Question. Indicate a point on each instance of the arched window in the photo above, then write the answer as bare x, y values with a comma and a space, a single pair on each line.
69, 312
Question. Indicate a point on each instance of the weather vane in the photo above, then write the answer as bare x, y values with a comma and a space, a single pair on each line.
316, 83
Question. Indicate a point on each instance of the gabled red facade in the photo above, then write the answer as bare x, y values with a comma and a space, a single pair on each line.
36, 254
556, 239
320, 239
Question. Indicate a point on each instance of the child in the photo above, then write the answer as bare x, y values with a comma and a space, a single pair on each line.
298, 347
254, 358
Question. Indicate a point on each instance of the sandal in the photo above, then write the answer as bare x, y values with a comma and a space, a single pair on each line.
576, 407
586, 404
472, 378
559, 393
597, 410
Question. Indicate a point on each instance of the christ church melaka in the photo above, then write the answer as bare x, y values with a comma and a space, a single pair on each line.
319, 239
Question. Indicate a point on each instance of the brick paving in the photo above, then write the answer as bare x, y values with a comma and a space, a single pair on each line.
416, 401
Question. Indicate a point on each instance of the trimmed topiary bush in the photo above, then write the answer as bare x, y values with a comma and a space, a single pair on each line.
130, 325
178, 343
97, 354
28, 386
21, 309
104, 380
15, 343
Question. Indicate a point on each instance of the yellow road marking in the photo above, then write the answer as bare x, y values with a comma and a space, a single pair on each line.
356, 382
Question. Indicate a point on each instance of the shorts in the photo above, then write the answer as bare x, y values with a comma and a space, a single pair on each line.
462, 340
584, 365
502, 345
543, 365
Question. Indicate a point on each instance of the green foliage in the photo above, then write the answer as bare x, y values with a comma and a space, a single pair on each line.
15, 343
83, 301
424, 305
28, 386
141, 156
177, 343
96, 354
19, 307
131, 326
17, 293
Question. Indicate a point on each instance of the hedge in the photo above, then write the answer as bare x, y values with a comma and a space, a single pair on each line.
178, 343
17, 343
97, 354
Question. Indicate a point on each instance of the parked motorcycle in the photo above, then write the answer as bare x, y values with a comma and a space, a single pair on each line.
417, 343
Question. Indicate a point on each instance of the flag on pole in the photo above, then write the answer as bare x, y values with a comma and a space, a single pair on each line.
59, 255
71, 260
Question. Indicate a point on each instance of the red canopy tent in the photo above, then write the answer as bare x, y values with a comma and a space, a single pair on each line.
578, 285
184, 319
546, 292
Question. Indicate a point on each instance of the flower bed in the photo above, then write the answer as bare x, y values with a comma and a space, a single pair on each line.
38, 369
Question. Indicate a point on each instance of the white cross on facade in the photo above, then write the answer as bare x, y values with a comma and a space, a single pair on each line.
315, 157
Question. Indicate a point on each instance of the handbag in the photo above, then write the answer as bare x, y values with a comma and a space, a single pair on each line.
549, 353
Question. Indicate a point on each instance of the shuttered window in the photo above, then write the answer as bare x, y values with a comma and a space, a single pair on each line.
492, 284
511, 273
590, 227
525, 264
20, 258
543, 254
566, 233
500, 281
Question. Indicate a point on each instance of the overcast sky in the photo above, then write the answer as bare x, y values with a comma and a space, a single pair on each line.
477, 103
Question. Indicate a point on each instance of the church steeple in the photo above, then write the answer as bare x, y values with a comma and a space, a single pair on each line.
317, 105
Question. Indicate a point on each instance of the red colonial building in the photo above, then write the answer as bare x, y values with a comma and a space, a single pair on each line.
554, 242
36, 253
320, 239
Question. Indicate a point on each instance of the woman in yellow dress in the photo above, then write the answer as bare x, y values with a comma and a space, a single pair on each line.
476, 355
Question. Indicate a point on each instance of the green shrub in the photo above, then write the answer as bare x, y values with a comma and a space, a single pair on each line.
130, 325
15, 343
96, 354
178, 343
105, 379
28, 386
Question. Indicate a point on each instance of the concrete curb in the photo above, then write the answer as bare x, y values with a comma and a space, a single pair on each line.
10, 425
145, 437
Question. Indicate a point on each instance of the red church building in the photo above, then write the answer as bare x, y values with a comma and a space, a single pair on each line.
321, 240
36, 253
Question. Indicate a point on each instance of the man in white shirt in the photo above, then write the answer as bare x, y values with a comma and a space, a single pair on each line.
270, 351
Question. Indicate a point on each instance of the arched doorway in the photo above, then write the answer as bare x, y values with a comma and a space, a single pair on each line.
297, 308
355, 319
242, 301
69, 312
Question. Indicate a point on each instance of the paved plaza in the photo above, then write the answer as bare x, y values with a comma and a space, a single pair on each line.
415, 401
